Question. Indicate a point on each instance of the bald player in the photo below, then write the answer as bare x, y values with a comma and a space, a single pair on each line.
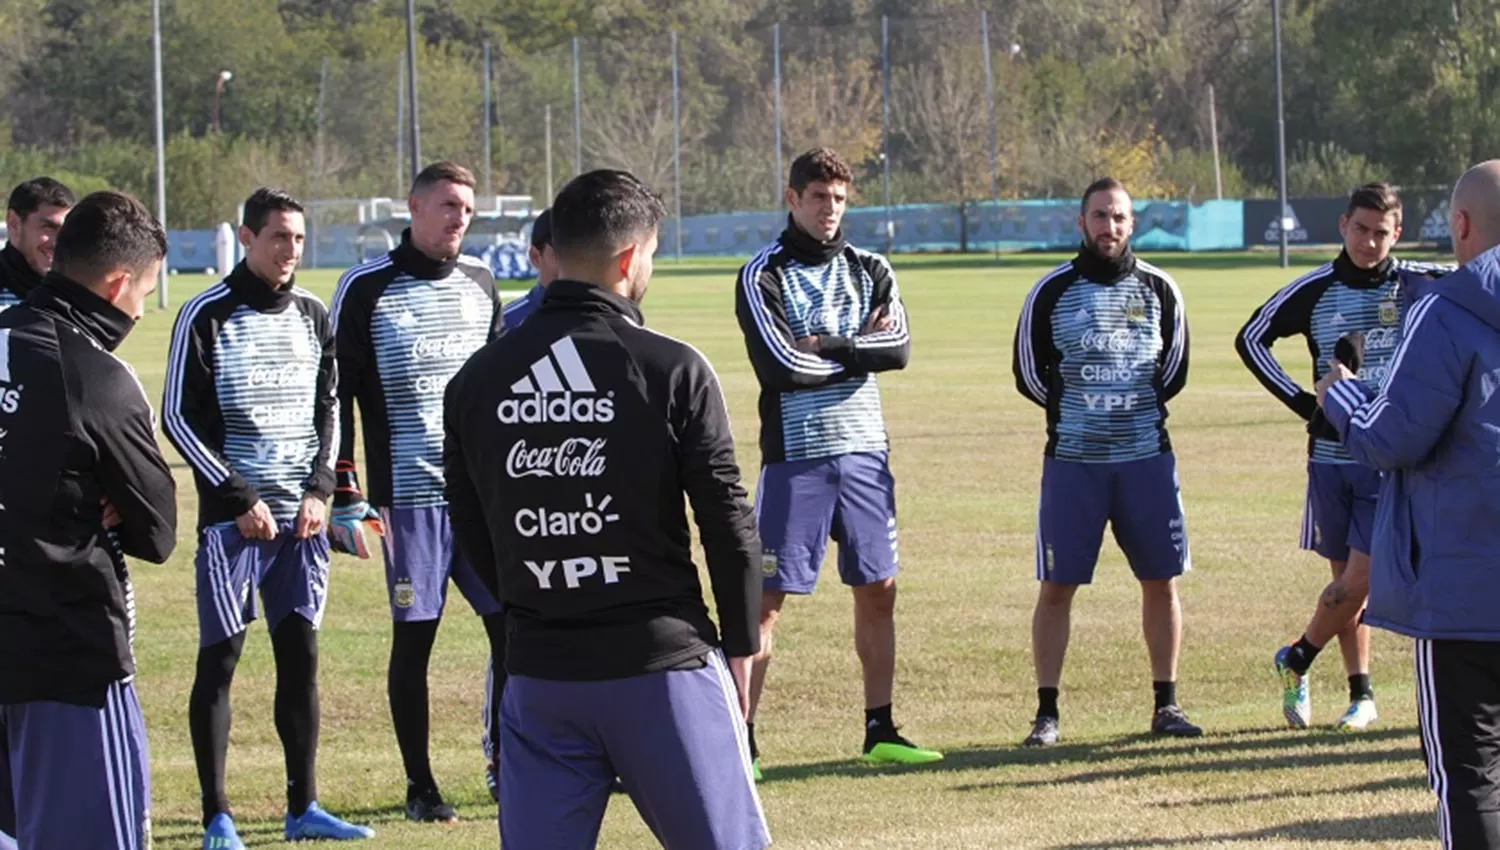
1434, 430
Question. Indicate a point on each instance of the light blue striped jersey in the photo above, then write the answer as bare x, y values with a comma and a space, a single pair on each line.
828, 403
1103, 352
404, 328
1331, 302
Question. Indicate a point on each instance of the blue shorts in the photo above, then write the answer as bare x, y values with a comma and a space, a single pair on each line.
800, 504
78, 776
292, 576
1139, 499
676, 740
420, 556
1340, 510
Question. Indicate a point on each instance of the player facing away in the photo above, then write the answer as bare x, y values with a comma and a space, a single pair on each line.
545, 262
821, 318
1361, 293
250, 404
1102, 346
79, 457
574, 445
405, 323
33, 217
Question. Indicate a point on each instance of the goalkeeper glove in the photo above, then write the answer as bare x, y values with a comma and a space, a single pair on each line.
350, 514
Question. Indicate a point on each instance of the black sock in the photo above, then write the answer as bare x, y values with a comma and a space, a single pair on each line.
1046, 703
754, 750
406, 684
494, 627
878, 723
1166, 693
295, 644
1302, 655
208, 720
1359, 687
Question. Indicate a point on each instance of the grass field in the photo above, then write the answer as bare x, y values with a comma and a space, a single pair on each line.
967, 458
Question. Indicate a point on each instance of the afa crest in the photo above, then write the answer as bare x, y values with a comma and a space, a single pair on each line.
406, 595
1389, 315
1135, 309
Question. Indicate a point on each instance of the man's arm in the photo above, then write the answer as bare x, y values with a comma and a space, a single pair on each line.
1173, 364
1400, 427
726, 523
319, 482
132, 473
774, 354
1032, 358
465, 509
190, 408
1287, 313
888, 345
352, 354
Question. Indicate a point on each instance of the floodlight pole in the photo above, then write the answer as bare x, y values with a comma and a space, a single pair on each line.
411, 88
1283, 221
885, 120
779, 178
676, 146
161, 145
488, 124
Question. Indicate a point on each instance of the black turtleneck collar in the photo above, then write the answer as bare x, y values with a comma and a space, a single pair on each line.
82, 307
1351, 275
807, 250
257, 291
16, 273
417, 264
1101, 269
576, 294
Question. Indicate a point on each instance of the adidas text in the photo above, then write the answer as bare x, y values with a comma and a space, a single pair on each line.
541, 409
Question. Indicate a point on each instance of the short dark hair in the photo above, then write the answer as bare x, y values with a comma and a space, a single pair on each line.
1103, 184
264, 201
1379, 197
443, 172
104, 232
541, 230
39, 192
601, 211
819, 165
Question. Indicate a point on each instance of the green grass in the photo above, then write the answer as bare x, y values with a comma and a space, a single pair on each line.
967, 456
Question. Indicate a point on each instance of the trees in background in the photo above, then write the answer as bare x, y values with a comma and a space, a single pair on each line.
1376, 89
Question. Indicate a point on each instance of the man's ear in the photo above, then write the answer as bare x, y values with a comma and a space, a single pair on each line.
115, 285
625, 260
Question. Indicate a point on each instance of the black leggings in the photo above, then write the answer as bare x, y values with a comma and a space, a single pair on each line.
295, 645
406, 686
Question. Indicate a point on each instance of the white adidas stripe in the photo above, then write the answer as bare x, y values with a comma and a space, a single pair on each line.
546, 378
1260, 353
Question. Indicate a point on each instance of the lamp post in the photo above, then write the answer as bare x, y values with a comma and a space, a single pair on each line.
1015, 125
219, 80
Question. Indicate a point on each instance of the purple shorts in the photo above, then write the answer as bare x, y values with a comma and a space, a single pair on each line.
292, 576
676, 740
800, 505
420, 556
1140, 501
1340, 511
76, 776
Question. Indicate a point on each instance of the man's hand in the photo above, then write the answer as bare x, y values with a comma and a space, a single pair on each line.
111, 516
257, 523
877, 322
739, 670
312, 517
809, 345
1336, 372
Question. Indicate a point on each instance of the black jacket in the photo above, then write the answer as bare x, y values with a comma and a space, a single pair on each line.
17, 277
569, 444
250, 397
75, 429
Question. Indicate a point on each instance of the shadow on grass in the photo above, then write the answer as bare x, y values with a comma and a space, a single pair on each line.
261, 833
1406, 826
1139, 755
1396, 783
